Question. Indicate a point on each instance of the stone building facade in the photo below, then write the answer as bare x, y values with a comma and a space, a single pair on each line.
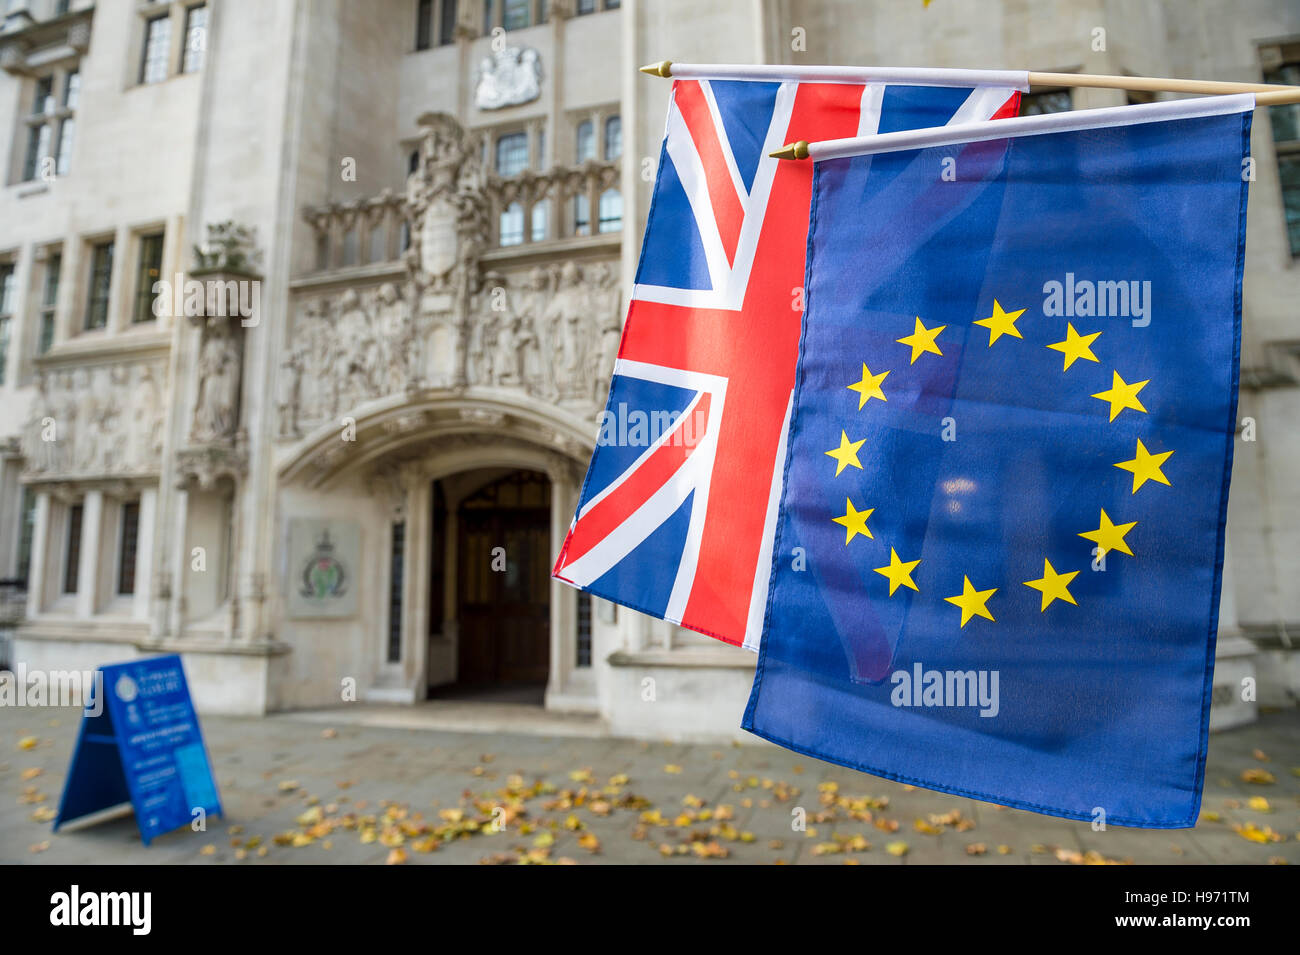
335, 457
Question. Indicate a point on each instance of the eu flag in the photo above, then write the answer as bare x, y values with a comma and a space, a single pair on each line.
1000, 541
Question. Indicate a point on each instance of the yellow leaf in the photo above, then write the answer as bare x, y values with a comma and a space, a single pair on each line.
30, 773
672, 769
27, 742
310, 817
396, 857
589, 842
544, 840
288, 785
976, 849
1261, 776
43, 814
1259, 804
897, 848
1004, 850
1255, 833
208, 850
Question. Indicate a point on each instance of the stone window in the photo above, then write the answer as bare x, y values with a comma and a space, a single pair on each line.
1284, 67
582, 656
396, 579
49, 301
157, 49
435, 21
581, 214
512, 225
613, 137
584, 141
6, 314
72, 552
512, 14
127, 546
611, 211
196, 38
512, 154
51, 125
516, 14
26, 530
541, 213
148, 271
100, 281
172, 41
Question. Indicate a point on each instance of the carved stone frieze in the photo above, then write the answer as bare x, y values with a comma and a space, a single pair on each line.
96, 421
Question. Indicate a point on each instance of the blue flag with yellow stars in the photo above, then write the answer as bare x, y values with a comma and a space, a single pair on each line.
1000, 541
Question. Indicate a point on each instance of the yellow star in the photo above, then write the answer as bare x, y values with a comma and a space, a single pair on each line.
972, 601
846, 453
1110, 536
1146, 466
898, 572
1075, 346
869, 386
1053, 586
922, 340
1001, 323
1122, 395
854, 521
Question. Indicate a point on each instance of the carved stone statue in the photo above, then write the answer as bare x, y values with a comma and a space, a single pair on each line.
217, 405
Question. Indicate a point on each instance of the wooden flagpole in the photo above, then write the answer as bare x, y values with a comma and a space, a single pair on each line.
1266, 94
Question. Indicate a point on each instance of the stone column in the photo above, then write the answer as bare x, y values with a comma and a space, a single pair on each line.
179, 563
563, 597
415, 589
37, 574
144, 553
92, 520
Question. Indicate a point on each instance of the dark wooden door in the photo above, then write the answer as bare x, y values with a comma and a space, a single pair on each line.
504, 610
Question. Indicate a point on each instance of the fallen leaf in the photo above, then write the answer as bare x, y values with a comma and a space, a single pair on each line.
1261, 776
396, 857
27, 742
897, 848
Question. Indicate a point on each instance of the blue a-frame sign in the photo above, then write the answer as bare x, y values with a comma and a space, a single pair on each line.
140, 742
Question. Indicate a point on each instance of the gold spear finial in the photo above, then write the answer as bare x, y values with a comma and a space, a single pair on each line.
798, 150
662, 68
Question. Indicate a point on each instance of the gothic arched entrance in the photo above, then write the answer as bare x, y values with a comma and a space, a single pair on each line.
495, 531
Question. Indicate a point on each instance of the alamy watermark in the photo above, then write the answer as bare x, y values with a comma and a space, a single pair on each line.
921, 687
622, 428
24, 687
210, 298
1073, 298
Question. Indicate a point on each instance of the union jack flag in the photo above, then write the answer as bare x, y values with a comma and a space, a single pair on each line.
677, 514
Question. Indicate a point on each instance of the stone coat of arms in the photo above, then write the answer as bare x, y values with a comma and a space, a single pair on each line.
508, 77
